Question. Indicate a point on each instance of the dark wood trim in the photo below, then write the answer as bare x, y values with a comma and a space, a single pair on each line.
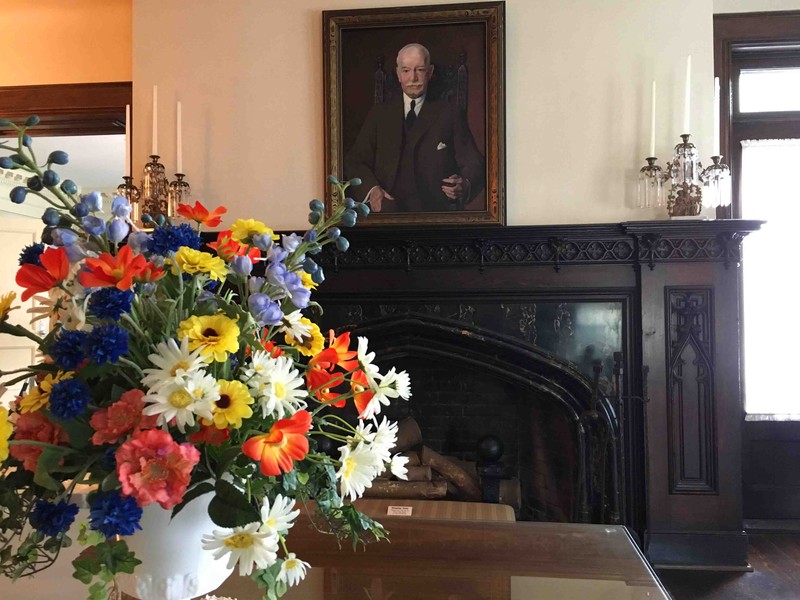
751, 32
68, 109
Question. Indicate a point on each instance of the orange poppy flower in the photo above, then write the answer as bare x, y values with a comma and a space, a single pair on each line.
227, 248
35, 279
336, 354
285, 443
361, 392
199, 214
149, 273
113, 271
321, 382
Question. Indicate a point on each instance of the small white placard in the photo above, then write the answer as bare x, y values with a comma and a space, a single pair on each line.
399, 511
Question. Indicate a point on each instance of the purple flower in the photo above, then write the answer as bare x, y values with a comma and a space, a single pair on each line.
242, 265
138, 241
120, 207
94, 201
265, 311
117, 230
63, 237
276, 273
276, 254
255, 284
262, 241
291, 242
76, 252
93, 225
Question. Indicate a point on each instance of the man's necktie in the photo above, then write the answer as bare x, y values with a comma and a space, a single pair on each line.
411, 116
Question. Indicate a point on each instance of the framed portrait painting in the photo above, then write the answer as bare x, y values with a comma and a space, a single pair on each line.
415, 109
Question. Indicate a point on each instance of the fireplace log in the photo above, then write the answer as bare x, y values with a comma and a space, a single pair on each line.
408, 435
417, 490
452, 472
413, 458
419, 473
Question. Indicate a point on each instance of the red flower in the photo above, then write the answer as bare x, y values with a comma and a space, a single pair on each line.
121, 418
35, 279
227, 248
150, 273
209, 434
285, 443
361, 392
152, 467
36, 427
321, 381
199, 214
273, 349
113, 271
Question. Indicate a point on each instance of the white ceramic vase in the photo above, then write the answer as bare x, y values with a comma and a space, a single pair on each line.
174, 564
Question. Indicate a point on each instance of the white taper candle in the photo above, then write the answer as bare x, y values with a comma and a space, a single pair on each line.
715, 144
155, 121
179, 145
687, 99
653, 120
127, 167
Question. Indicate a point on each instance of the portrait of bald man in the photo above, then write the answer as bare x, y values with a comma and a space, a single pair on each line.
416, 153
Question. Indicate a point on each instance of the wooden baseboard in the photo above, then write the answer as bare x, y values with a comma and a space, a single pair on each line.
697, 550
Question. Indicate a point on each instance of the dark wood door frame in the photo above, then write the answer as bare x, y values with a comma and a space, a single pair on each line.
68, 109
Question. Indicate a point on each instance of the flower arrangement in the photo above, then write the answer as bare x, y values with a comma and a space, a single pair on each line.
174, 369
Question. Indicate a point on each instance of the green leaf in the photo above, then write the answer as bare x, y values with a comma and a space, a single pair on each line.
110, 482
49, 458
230, 507
196, 491
79, 433
302, 477
89, 537
85, 569
98, 591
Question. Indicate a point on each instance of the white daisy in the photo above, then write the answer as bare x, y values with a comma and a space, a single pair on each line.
182, 400
398, 466
364, 431
246, 545
365, 359
385, 439
261, 364
174, 363
385, 388
359, 466
292, 325
284, 392
293, 570
279, 517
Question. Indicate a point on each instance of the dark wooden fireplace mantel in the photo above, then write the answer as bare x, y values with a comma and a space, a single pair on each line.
676, 286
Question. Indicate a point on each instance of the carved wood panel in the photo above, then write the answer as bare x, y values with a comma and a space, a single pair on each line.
691, 422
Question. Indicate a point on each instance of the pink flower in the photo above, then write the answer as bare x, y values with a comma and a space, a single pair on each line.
121, 418
153, 467
36, 427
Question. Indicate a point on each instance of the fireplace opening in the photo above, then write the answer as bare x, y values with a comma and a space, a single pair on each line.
468, 383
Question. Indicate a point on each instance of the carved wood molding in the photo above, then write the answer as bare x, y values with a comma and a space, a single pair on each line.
635, 243
691, 419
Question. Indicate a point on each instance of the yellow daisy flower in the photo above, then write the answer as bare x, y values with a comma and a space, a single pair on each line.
192, 261
39, 397
308, 283
216, 335
310, 345
243, 230
5, 305
233, 405
5, 433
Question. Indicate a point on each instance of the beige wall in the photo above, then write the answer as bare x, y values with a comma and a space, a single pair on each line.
249, 75
737, 6
65, 41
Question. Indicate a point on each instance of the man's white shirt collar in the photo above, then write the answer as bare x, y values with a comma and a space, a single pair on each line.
418, 102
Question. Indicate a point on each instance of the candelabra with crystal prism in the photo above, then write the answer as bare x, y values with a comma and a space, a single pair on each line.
717, 178
651, 184
179, 192
128, 190
155, 189
686, 194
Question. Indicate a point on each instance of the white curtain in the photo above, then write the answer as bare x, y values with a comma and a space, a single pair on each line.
770, 190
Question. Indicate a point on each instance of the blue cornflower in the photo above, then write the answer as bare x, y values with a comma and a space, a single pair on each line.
110, 303
109, 460
166, 240
67, 350
53, 519
69, 398
30, 255
112, 514
106, 343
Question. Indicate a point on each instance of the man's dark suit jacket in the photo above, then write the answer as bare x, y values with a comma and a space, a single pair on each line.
443, 146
